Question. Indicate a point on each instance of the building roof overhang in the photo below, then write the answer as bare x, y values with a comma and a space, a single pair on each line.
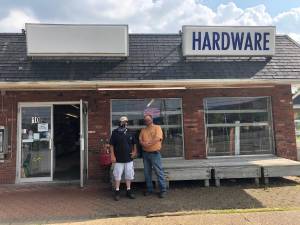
106, 85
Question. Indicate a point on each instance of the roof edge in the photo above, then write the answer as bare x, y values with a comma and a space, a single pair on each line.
292, 40
140, 84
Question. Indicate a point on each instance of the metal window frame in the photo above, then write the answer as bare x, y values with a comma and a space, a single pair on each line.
268, 124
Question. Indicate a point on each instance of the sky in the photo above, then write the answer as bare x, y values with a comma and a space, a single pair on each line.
154, 16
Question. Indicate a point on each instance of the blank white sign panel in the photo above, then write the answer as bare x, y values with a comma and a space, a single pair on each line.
76, 40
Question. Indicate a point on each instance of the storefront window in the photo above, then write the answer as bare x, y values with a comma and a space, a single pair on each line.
238, 126
166, 112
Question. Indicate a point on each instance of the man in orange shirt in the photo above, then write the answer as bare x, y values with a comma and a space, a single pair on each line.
151, 138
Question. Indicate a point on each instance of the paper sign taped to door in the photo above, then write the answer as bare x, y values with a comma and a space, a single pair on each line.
42, 127
36, 136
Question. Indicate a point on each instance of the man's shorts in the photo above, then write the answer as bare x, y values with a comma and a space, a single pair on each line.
120, 168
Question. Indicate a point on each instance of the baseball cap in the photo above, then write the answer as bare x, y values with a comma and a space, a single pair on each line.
123, 118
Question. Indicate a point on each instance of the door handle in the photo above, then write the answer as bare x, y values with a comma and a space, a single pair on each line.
82, 144
50, 143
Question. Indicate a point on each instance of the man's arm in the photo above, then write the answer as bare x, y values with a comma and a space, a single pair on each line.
142, 142
112, 150
134, 151
158, 137
154, 141
112, 154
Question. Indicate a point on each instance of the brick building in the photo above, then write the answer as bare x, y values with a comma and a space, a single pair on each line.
208, 106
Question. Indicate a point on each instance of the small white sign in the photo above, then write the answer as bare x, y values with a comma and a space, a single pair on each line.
228, 40
36, 136
42, 127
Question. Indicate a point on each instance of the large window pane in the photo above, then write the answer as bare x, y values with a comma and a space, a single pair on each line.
166, 112
255, 140
238, 126
221, 141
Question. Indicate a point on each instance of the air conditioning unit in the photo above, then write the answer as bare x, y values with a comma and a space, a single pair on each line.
3, 142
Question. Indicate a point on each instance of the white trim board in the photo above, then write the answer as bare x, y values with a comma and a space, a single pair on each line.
142, 84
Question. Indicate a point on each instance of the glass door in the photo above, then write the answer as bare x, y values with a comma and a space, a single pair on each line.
83, 143
35, 132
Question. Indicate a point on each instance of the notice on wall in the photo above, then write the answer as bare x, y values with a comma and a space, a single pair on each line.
42, 127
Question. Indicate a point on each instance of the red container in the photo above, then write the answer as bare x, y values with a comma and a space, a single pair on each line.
105, 159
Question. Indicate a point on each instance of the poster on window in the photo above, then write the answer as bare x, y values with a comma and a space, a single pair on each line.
42, 127
154, 112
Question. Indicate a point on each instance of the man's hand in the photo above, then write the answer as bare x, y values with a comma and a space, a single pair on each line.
150, 143
112, 154
134, 152
133, 155
113, 158
146, 144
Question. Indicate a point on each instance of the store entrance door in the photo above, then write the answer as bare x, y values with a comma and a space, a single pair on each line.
35, 158
36, 143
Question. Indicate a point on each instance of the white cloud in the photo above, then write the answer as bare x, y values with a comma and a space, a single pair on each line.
255, 16
228, 14
15, 20
157, 16
289, 23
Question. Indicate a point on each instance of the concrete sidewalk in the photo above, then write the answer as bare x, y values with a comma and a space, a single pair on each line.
257, 218
39, 204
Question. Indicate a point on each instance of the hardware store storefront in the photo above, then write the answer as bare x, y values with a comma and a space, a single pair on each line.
56, 107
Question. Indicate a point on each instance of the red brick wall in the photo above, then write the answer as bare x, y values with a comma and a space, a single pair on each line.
284, 126
193, 118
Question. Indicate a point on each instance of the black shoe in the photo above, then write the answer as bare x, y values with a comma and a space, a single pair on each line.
117, 195
162, 194
130, 195
147, 193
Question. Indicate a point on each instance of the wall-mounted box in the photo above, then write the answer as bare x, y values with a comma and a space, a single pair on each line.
3, 142
63, 40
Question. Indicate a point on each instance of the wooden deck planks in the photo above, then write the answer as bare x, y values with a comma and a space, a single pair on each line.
255, 167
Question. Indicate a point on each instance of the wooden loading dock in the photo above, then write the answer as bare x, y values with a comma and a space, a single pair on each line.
256, 167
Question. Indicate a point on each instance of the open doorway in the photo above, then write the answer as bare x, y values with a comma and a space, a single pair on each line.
66, 119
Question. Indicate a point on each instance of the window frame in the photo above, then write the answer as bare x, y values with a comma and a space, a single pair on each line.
272, 138
182, 118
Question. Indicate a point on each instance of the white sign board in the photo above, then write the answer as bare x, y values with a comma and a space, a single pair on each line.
228, 41
42, 127
76, 40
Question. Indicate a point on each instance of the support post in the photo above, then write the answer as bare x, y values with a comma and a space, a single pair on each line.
206, 183
266, 180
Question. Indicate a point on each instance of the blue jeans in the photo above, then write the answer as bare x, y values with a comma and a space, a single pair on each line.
153, 160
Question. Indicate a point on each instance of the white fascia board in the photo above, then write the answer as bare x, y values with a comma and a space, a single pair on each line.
182, 83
